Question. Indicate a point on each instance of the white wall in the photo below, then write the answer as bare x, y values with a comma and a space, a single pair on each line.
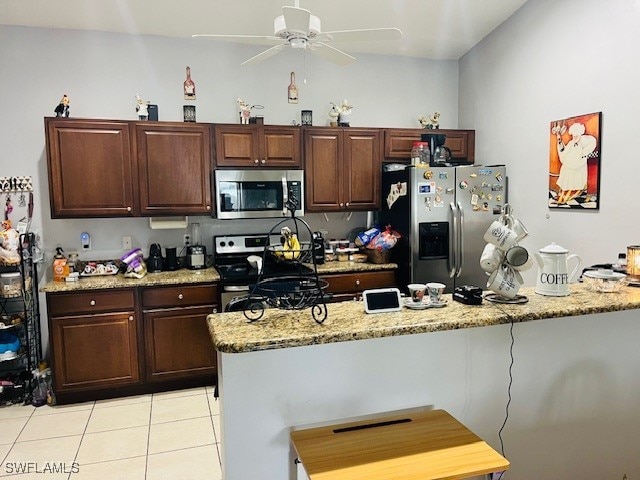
102, 72
552, 60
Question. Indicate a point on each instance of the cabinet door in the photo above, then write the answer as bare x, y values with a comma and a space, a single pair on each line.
90, 168
323, 169
347, 286
236, 146
362, 164
280, 147
398, 143
177, 343
174, 168
461, 143
94, 351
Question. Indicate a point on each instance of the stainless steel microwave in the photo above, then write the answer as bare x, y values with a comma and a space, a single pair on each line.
258, 193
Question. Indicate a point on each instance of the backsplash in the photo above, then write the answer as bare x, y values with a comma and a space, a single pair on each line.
106, 233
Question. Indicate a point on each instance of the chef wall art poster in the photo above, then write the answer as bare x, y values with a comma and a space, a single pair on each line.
574, 162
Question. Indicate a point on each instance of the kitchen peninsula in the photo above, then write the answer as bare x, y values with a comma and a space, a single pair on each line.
285, 371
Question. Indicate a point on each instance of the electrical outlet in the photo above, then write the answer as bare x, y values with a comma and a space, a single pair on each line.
186, 239
85, 241
126, 243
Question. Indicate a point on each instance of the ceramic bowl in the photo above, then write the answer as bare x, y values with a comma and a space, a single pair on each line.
604, 280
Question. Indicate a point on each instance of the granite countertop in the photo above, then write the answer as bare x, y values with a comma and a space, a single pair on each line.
178, 277
185, 276
347, 321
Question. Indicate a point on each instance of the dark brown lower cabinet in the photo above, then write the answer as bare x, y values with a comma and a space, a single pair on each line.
92, 351
117, 342
177, 343
349, 286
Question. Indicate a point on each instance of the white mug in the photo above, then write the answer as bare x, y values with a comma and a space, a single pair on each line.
518, 258
491, 258
435, 291
416, 290
501, 236
518, 227
505, 282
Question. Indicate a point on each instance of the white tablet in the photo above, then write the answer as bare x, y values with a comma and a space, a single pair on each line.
380, 300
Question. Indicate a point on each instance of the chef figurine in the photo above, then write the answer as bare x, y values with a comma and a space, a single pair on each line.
345, 110
334, 113
245, 111
141, 108
62, 110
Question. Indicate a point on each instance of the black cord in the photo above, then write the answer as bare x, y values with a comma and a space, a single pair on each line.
506, 410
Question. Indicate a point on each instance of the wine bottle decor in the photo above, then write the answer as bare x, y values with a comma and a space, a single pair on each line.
292, 90
189, 87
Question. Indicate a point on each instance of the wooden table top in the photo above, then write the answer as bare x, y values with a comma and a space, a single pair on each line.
415, 446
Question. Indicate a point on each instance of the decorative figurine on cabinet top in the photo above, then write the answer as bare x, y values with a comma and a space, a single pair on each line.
341, 112
141, 108
433, 122
62, 110
245, 111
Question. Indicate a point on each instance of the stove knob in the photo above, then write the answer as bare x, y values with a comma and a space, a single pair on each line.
231, 243
222, 244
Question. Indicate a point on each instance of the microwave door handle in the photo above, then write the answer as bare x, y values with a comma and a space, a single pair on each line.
285, 195
451, 259
460, 256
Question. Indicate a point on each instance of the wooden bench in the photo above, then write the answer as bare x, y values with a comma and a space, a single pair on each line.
412, 446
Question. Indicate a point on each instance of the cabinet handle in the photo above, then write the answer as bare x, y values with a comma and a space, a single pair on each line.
341, 204
129, 209
357, 282
180, 296
215, 310
347, 204
263, 161
256, 161
131, 318
208, 207
92, 303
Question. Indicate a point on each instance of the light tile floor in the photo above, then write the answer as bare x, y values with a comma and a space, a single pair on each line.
172, 435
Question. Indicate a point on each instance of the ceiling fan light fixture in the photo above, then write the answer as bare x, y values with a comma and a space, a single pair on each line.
298, 42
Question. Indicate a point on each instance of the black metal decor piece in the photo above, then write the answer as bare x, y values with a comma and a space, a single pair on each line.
301, 289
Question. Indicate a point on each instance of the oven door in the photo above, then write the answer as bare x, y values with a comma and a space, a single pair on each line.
257, 194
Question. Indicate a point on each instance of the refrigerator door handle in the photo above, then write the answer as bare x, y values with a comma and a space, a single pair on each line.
460, 248
453, 242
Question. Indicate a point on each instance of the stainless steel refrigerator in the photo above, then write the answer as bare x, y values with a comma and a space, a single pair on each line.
442, 214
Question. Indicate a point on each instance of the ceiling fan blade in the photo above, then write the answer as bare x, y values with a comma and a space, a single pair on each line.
252, 39
296, 19
332, 54
266, 54
365, 34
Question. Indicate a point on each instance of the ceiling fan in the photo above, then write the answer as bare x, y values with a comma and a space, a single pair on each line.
297, 28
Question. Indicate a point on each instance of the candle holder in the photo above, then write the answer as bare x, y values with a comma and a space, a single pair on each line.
306, 118
189, 112
633, 261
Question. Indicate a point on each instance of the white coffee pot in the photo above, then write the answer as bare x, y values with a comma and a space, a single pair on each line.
553, 265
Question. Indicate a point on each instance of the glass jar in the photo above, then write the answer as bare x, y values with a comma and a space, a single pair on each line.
420, 154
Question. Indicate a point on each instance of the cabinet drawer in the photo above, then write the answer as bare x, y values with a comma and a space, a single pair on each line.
90, 302
182, 296
357, 282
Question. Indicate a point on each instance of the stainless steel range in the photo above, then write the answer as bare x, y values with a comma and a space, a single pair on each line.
237, 276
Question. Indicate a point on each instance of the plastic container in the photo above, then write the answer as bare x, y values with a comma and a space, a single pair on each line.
10, 284
420, 154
